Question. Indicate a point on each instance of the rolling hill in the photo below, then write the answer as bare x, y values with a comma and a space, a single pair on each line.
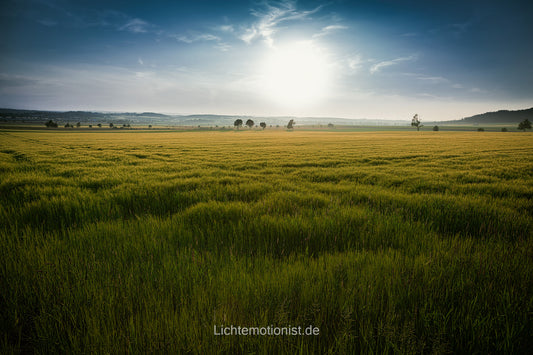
497, 117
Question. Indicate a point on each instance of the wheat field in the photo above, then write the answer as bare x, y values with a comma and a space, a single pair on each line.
145, 241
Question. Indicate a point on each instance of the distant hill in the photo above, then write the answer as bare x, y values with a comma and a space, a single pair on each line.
498, 117
35, 116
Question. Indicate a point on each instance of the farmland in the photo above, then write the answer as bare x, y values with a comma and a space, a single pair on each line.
144, 241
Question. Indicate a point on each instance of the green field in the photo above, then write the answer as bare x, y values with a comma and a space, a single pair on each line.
388, 242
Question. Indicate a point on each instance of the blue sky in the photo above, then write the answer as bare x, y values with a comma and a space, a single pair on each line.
354, 59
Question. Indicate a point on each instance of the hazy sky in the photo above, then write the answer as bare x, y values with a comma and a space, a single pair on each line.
355, 59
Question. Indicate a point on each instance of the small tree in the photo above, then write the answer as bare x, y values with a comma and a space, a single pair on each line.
415, 122
78, 125
480, 129
525, 124
111, 125
263, 125
51, 124
331, 125
291, 124
99, 125
90, 126
250, 123
238, 123
68, 125
435, 128
504, 129
149, 126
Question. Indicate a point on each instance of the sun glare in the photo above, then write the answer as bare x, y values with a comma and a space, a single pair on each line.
295, 75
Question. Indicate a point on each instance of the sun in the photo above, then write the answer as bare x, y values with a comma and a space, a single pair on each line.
295, 75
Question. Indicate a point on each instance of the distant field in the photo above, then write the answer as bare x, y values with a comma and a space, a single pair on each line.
144, 241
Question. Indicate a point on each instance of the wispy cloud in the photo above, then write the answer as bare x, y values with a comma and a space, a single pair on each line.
64, 14
351, 64
379, 66
329, 29
135, 25
432, 79
226, 28
270, 18
223, 46
203, 37
197, 37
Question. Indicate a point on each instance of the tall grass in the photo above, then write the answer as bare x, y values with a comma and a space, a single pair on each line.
133, 242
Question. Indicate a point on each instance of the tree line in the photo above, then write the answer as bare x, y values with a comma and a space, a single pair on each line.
250, 123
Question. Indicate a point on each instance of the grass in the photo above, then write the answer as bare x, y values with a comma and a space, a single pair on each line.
388, 242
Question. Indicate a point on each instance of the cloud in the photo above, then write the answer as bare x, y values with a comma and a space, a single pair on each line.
351, 64
410, 34
328, 30
9, 81
226, 28
135, 25
433, 79
203, 37
222, 46
269, 20
197, 37
379, 66
141, 62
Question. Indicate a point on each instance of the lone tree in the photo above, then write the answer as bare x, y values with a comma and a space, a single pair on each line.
51, 124
331, 125
238, 123
250, 123
78, 125
415, 122
504, 129
263, 125
435, 128
111, 125
525, 124
291, 124
99, 125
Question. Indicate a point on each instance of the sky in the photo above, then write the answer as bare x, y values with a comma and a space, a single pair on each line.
379, 59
